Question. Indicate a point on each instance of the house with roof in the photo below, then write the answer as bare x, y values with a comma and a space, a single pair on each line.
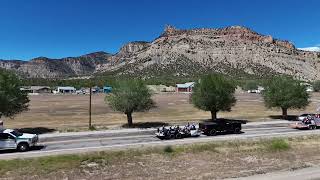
36, 89
186, 87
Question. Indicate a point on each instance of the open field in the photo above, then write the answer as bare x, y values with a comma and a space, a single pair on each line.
70, 112
197, 161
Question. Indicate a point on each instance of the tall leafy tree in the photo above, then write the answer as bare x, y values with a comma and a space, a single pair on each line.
130, 96
286, 93
214, 93
12, 99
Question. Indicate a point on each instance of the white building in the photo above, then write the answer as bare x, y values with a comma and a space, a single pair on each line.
65, 90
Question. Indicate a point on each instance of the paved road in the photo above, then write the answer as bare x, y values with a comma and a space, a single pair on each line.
311, 173
70, 143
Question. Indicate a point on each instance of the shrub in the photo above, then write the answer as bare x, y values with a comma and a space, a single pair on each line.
168, 149
278, 145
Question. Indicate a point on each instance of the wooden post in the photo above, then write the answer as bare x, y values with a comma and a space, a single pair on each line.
90, 94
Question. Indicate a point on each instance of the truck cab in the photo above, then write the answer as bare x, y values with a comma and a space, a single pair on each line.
13, 139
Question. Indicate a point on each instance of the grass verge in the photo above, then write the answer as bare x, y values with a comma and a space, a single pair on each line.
46, 166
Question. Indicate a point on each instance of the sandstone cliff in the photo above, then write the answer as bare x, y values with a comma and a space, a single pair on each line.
232, 50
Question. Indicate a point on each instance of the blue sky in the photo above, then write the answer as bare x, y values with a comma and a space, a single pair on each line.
62, 28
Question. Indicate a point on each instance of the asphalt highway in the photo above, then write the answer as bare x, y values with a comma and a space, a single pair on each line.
82, 142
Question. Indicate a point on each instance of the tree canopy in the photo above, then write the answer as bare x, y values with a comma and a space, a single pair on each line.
130, 96
214, 93
12, 99
286, 93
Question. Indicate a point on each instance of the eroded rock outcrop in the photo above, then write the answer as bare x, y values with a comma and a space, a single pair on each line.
234, 50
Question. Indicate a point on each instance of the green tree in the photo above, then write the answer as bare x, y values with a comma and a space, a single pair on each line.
12, 99
286, 93
130, 96
214, 93
316, 86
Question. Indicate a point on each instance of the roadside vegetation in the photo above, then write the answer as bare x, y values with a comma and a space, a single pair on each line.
12, 100
217, 159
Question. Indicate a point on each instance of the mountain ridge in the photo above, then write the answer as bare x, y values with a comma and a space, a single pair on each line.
231, 50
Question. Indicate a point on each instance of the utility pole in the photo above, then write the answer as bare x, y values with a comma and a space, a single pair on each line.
90, 97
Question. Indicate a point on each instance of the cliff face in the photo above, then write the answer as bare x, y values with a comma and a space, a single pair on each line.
43, 67
233, 50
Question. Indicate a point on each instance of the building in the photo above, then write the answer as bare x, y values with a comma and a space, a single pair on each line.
65, 90
107, 89
36, 89
186, 87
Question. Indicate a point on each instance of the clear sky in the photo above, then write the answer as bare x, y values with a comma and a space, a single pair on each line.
62, 28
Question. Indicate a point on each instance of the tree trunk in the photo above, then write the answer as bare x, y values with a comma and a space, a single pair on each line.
129, 117
213, 115
284, 113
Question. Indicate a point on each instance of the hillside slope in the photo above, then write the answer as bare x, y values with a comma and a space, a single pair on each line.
232, 50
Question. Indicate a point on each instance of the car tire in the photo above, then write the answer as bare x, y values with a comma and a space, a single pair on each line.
237, 130
178, 136
171, 136
213, 132
22, 147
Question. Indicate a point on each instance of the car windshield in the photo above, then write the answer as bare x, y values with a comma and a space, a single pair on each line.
16, 133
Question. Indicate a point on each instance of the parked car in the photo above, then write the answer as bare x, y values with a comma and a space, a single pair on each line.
254, 91
80, 92
304, 116
221, 125
13, 139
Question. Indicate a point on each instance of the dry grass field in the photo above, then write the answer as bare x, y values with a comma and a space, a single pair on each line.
70, 112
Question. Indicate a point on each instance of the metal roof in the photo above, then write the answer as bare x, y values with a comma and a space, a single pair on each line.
66, 88
186, 85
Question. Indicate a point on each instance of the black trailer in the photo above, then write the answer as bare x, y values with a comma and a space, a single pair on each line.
211, 128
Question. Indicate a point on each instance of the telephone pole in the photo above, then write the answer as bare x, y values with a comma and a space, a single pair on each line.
90, 97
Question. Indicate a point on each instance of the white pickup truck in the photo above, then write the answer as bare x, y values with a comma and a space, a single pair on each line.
12, 139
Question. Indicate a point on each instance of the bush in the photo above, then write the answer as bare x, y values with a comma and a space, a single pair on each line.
168, 149
278, 145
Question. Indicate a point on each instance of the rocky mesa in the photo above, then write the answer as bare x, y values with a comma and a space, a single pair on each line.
234, 50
